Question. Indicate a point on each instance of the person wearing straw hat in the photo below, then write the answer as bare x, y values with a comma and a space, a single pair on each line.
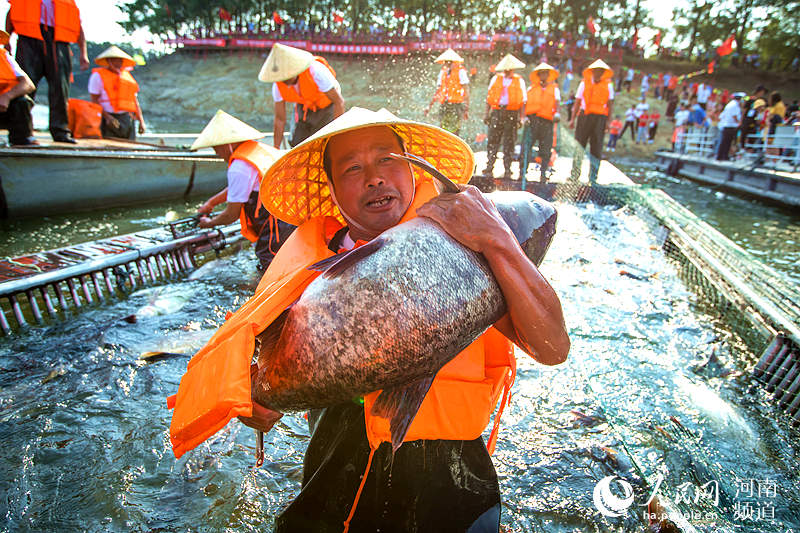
595, 100
308, 81
235, 142
113, 87
452, 91
341, 186
505, 109
45, 29
15, 104
541, 114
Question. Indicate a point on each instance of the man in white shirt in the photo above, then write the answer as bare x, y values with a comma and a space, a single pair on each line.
310, 83
15, 104
703, 94
729, 121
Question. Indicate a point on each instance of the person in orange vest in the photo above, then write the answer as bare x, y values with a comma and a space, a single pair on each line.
505, 109
15, 104
45, 29
541, 114
595, 100
235, 142
359, 191
310, 83
113, 87
614, 131
452, 91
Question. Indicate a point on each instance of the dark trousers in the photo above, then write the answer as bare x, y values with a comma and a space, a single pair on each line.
537, 131
17, 119
125, 129
728, 134
503, 124
653, 130
50, 60
310, 123
629, 124
272, 233
591, 130
450, 115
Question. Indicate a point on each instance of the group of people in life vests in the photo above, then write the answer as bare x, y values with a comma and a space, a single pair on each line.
337, 188
45, 29
509, 104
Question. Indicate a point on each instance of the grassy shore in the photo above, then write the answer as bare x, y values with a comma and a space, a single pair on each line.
180, 92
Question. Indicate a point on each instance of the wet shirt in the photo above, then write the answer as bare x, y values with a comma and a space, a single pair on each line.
242, 180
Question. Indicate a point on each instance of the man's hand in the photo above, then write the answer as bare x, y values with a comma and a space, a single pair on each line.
141, 128
4, 102
84, 62
204, 222
469, 217
113, 122
206, 208
572, 124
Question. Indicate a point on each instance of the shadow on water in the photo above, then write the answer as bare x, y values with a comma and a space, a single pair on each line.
84, 426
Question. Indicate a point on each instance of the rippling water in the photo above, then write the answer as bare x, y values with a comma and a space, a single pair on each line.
83, 422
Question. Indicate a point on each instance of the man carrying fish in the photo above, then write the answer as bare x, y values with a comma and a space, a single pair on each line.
392, 339
234, 141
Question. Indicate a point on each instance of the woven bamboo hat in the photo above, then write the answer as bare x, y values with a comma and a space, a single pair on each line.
114, 52
4, 37
552, 76
509, 62
225, 129
449, 55
284, 62
295, 188
599, 63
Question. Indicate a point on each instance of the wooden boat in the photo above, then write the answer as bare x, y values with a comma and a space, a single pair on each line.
56, 178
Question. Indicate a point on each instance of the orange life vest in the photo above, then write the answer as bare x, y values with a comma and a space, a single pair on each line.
514, 92
310, 97
26, 14
7, 77
121, 89
85, 119
595, 96
216, 385
542, 101
260, 159
450, 89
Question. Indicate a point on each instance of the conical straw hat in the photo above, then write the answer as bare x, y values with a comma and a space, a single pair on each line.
225, 129
449, 55
4, 37
544, 66
295, 188
284, 62
114, 52
509, 62
607, 75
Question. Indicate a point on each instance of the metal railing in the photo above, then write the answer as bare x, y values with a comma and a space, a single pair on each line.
780, 151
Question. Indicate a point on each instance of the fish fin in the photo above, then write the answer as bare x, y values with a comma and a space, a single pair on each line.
152, 357
400, 406
336, 265
268, 338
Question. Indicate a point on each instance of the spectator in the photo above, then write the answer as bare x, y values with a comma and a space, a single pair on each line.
703, 94
641, 133
697, 115
655, 116
645, 85
614, 133
729, 121
681, 120
628, 79
630, 122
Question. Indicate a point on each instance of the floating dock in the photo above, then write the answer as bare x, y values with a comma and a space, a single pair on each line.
774, 186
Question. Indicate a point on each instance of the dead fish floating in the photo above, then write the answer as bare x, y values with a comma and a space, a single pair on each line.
389, 314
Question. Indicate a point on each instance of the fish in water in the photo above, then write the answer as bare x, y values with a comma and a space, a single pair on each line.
161, 301
389, 314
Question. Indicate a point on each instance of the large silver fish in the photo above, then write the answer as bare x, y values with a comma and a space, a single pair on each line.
389, 315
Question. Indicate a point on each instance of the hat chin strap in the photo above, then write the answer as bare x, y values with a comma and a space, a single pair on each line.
350, 220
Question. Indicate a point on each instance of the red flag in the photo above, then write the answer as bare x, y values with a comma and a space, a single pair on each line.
516, 19
451, 9
277, 18
711, 67
224, 15
337, 18
399, 13
591, 26
657, 39
727, 47
635, 37
167, 9
479, 138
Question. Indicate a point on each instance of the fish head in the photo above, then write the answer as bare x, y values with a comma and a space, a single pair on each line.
372, 189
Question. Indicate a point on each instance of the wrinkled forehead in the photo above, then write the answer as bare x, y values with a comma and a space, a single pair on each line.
347, 145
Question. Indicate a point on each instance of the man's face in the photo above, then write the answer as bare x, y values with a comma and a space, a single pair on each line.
373, 189
597, 74
115, 63
543, 75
